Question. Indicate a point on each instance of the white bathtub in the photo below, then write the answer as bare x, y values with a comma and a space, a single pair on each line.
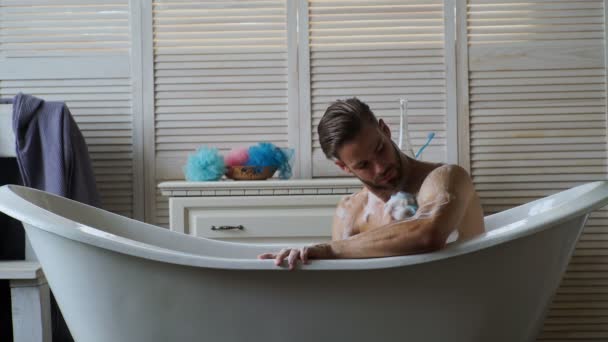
117, 279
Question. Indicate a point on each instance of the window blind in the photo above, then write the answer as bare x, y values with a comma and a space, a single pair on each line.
220, 78
537, 91
78, 52
380, 52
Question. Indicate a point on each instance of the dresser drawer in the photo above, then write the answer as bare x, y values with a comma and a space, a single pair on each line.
264, 219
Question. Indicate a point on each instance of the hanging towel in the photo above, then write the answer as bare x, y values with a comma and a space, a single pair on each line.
51, 152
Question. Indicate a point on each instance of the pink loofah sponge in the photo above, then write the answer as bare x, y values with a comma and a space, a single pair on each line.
237, 156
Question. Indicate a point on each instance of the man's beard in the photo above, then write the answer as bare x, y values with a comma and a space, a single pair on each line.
396, 181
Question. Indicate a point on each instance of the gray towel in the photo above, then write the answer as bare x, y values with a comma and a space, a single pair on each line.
51, 152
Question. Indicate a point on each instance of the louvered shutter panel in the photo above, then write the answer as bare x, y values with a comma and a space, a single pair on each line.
537, 90
220, 77
77, 52
379, 51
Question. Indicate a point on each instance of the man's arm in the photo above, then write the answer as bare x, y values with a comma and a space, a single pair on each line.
443, 200
344, 218
342, 227
337, 228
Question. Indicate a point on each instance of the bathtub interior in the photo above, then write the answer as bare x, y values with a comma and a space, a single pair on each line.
517, 216
99, 222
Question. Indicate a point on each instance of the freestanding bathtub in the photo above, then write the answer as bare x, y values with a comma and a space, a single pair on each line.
117, 279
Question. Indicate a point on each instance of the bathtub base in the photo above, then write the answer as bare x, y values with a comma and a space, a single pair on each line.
117, 279
421, 303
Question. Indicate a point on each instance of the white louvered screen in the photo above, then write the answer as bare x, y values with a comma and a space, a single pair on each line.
63, 28
379, 52
537, 89
77, 52
220, 77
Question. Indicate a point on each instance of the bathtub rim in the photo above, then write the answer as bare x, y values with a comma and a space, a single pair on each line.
20, 208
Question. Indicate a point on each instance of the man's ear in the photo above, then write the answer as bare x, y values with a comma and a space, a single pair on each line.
384, 128
343, 166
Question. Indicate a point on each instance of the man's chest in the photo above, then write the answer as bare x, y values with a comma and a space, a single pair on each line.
370, 215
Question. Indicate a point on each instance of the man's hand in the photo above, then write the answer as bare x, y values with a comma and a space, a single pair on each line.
320, 251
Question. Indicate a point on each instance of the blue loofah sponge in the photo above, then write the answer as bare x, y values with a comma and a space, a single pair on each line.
267, 154
205, 165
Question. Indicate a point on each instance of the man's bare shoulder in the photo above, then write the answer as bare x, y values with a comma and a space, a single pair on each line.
446, 179
353, 201
452, 171
348, 210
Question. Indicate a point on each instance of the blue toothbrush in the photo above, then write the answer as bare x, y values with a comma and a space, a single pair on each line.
430, 137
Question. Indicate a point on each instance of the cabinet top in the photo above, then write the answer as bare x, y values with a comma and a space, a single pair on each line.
264, 187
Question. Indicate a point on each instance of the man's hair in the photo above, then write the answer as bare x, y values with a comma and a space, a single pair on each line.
341, 123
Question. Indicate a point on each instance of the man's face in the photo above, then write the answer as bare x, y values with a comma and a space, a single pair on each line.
372, 158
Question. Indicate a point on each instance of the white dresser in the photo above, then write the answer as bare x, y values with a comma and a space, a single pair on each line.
269, 211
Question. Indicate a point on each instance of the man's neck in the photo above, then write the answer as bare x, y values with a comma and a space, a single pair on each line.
385, 193
413, 174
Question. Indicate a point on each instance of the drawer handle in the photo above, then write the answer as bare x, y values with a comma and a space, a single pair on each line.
240, 227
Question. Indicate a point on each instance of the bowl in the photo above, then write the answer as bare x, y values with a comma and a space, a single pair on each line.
250, 172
